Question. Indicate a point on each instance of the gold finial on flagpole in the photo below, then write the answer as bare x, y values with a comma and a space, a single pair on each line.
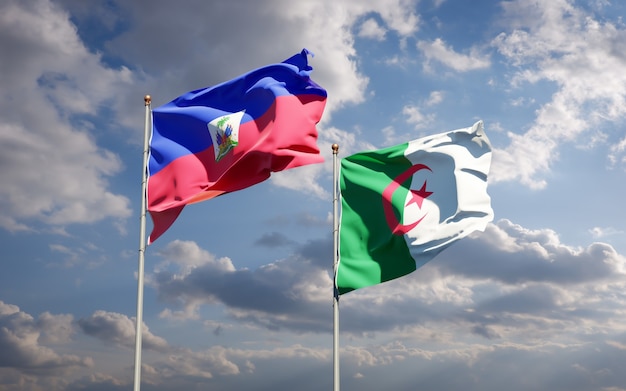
147, 99
335, 148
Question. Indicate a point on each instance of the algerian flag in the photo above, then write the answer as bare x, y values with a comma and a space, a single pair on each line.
403, 205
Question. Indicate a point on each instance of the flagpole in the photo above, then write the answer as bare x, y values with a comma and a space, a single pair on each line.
142, 247
335, 148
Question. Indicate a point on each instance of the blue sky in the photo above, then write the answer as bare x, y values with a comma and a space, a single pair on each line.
238, 291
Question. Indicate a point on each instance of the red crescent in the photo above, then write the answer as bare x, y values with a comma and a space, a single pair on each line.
398, 228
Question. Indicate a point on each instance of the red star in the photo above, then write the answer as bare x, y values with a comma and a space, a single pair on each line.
419, 196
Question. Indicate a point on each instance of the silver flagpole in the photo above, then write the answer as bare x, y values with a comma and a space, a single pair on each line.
335, 291
142, 246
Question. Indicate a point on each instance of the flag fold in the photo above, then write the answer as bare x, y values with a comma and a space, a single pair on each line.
403, 205
228, 137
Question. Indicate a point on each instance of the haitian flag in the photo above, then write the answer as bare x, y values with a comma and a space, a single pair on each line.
220, 139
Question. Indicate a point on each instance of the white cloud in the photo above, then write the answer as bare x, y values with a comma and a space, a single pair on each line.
399, 61
188, 255
331, 29
435, 98
371, 29
504, 290
617, 157
601, 232
52, 169
55, 328
583, 57
416, 117
304, 179
437, 50
244, 291
22, 340
539, 256
112, 327
528, 274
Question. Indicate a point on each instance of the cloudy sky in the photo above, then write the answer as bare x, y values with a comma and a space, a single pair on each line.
238, 292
